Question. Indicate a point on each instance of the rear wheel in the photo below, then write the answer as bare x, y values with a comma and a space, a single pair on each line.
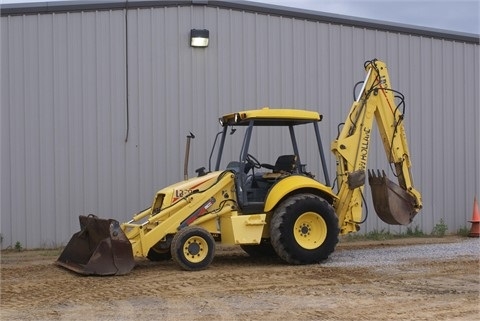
304, 229
193, 248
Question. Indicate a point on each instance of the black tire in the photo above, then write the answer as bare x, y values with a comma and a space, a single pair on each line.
193, 248
155, 255
161, 250
264, 249
304, 229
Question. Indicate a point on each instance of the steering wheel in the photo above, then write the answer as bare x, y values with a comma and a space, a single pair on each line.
253, 161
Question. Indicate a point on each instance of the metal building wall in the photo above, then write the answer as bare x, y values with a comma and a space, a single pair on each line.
63, 101
96, 106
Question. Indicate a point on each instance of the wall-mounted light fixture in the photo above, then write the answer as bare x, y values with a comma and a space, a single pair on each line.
199, 38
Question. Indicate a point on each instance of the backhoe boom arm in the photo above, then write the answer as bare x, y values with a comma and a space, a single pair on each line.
376, 101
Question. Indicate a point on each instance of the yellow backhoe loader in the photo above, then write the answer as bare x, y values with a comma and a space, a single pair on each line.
267, 209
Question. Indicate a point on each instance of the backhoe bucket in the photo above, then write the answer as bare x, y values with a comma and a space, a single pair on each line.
393, 204
100, 248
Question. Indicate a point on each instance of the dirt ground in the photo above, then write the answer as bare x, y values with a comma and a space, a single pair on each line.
237, 287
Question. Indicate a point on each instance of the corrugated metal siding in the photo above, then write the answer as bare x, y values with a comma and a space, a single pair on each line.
63, 119
64, 106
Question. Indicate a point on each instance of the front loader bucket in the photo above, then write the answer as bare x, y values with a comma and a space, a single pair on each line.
100, 248
393, 204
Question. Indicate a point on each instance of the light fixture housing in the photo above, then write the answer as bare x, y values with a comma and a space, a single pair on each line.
199, 38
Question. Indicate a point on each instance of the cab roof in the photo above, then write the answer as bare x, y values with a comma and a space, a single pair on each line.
271, 117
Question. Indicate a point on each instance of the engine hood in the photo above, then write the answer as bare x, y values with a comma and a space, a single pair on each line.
175, 192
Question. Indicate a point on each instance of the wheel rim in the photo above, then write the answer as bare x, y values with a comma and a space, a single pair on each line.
195, 249
310, 230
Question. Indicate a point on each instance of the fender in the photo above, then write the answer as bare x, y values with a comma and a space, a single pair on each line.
294, 183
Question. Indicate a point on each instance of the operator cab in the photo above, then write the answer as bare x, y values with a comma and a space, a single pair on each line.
260, 163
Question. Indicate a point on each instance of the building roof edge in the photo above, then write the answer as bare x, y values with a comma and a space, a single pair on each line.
72, 6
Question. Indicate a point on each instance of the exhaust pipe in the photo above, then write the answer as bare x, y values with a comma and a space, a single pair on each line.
187, 156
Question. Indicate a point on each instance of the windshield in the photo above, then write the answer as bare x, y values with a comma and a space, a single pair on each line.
267, 143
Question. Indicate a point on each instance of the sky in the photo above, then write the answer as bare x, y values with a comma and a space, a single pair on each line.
450, 15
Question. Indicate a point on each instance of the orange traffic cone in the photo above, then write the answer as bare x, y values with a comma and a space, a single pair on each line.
475, 230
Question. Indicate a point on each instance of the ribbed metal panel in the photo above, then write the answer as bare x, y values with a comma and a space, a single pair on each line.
96, 107
63, 123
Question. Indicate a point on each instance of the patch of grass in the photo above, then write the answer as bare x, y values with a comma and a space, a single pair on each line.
50, 252
18, 247
440, 229
380, 235
40, 252
463, 231
374, 235
415, 232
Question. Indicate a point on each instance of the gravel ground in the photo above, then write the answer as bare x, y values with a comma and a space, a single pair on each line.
387, 256
420, 279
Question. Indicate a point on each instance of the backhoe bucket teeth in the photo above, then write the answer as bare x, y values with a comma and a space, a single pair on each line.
100, 248
393, 204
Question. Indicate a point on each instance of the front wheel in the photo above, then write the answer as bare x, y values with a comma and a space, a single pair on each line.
193, 248
304, 229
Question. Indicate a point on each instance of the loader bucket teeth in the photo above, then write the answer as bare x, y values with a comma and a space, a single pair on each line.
100, 248
393, 204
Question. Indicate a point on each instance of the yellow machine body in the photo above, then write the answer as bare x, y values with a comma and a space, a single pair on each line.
280, 209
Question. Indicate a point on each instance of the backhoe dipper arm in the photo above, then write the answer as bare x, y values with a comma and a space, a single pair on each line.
394, 204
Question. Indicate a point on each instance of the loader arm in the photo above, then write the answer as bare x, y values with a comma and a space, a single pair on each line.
195, 208
394, 204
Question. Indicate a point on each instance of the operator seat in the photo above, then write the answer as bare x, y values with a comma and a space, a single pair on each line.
285, 164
